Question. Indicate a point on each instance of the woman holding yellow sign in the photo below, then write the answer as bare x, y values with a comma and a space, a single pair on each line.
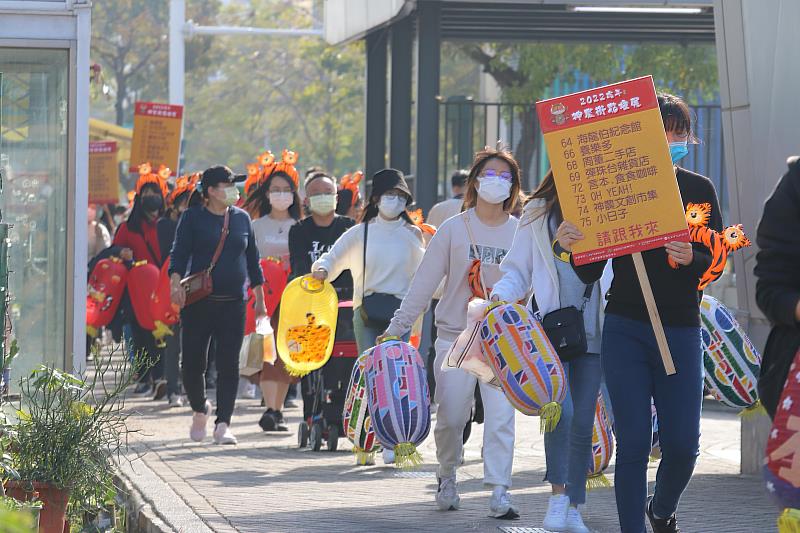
630, 355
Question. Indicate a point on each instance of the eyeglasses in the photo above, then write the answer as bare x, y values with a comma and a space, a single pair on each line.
491, 173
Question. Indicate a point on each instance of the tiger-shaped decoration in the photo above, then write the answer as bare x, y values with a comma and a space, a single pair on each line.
721, 244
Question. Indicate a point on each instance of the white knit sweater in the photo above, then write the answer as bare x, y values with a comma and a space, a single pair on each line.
394, 252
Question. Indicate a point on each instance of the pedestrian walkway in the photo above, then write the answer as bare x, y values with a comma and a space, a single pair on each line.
265, 484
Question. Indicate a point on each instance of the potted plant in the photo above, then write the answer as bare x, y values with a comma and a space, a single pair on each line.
70, 429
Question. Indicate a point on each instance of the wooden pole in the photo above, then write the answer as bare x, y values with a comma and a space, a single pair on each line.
652, 310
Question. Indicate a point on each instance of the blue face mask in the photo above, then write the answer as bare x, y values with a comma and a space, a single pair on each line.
678, 150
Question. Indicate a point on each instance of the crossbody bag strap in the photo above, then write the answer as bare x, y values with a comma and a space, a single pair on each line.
477, 255
587, 295
223, 235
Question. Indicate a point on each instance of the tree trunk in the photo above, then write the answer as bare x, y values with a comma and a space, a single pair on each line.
122, 92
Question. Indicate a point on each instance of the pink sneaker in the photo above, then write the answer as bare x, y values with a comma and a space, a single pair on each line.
198, 430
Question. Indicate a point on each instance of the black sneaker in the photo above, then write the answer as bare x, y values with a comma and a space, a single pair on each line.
661, 525
268, 421
280, 423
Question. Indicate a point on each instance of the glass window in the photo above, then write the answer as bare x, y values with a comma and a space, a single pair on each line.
34, 162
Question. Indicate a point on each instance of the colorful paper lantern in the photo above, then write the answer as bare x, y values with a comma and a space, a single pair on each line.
730, 360
602, 446
142, 283
399, 400
163, 311
524, 362
782, 465
104, 292
356, 420
306, 326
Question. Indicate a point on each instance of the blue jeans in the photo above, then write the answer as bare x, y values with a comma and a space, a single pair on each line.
365, 336
634, 373
568, 448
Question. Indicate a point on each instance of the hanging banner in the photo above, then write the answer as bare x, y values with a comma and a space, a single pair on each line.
613, 170
103, 172
156, 136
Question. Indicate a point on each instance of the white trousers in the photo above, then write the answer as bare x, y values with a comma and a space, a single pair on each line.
454, 392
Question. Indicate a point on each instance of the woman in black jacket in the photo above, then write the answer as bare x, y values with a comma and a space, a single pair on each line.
778, 285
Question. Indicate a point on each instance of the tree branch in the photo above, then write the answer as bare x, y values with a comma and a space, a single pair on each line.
503, 74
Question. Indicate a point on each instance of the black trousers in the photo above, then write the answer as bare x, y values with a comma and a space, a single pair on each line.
225, 321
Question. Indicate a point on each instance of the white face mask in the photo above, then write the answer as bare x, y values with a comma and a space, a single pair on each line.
494, 189
391, 206
231, 196
322, 204
281, 200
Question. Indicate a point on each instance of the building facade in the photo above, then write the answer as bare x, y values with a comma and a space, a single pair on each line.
44, 120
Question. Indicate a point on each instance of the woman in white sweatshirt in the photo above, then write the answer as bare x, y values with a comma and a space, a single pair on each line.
533, 263
482, 233
394, 250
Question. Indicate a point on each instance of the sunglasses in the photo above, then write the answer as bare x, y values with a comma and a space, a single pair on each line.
490, 173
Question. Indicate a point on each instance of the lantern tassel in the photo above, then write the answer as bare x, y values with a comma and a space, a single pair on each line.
364, 457
753, 411
91, 331
406, 456
549, 416
597, 481
789, 521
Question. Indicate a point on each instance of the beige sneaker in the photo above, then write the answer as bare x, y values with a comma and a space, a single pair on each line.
198, 430
223, 435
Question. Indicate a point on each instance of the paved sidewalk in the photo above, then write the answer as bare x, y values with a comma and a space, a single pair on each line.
265, 484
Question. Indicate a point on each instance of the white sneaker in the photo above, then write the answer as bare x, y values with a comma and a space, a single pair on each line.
501, 506
575, 522
246, 390
388, 456
175, 400
223, 435
199, 421
556, 517
447, 496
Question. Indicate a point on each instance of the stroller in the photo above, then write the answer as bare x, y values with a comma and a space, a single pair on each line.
328, 388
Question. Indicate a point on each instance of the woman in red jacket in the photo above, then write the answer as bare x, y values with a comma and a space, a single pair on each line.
138, 239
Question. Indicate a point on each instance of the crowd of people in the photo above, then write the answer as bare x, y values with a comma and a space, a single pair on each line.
374, 254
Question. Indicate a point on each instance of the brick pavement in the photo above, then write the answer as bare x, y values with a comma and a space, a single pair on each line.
266, 484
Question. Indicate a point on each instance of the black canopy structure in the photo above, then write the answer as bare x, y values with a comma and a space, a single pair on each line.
391, 27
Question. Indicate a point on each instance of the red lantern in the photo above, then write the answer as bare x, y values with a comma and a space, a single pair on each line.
163, 311
276, 277
142, 283
106, 285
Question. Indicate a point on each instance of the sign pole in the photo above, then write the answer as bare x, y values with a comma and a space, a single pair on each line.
652, 310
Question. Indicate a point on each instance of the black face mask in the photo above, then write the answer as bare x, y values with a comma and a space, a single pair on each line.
152, 203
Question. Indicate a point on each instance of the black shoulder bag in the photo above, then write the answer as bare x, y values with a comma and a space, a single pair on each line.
565, 327
377, 309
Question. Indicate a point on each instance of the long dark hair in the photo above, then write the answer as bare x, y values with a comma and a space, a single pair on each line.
371, 210
481, 158
137, 214
257, 204
545, 191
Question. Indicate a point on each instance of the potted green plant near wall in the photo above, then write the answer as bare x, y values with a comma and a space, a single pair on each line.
70, 429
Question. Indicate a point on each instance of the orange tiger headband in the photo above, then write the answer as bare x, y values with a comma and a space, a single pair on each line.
350, 182
182, 185
266, 165
419, 221
147, 176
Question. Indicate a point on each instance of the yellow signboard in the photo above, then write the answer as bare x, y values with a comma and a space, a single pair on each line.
156, 135
103, 173
612, 169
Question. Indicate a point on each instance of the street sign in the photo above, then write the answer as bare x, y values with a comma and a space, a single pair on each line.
612, 169
157, 132
103, 172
